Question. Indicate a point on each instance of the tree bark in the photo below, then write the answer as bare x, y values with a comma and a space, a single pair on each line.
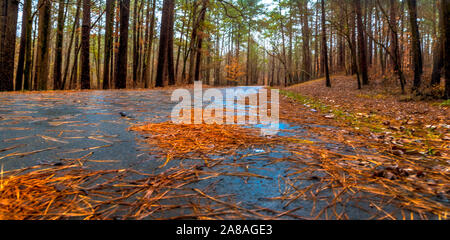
69, 51
415, 42
165, 62
108, 42
42, 55
135, 43
85, 30
306, 73
200, 41
395, 54
22, 78
8, 25
361, 43
324, 46
446, 34
438, 55
122, 56
57, 83
148, 51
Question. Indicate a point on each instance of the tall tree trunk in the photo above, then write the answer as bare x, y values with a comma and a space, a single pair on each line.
306, 73
352, 44
74, 75
316, 45
108, 43
200, 41
177, 61
352, 25
369, 29
217, 60
85, 29
33, 53
170, 65
194, 44
395, 54
446, 36
115, 54
25, 40
98, 57
324, 46
122, 56
247, 75
42, 55
28, 53
8, 25
361, 43
438, 55
148, 51
135, 43
57, 83
165, 64
415, 42
69, 50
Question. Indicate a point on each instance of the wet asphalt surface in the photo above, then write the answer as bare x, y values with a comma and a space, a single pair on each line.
46, 128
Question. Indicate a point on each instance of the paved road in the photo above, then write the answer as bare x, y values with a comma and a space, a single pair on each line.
43, 128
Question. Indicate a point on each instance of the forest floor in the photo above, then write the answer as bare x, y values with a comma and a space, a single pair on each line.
339, 154
377, 111
410, 139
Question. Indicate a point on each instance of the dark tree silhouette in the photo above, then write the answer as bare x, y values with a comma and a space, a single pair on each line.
8, 25
415, 42
22, 76
361, 44
42, 54
85, 29
58, 47
446, 37
108, 42
165, 70
324, 46
122, 59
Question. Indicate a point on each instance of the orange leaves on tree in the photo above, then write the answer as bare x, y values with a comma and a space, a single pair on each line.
234, 70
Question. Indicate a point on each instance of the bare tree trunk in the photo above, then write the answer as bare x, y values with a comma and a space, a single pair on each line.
42, 55
85, 29
8, 25
361, 43
69, 51
352, 25
446, 33
324, 46
306, 73
171, 69
438, 54
352, 45
74, 74
200, 41
135, 43
165, 62
122, 58
177, 61
58, 47
148, 51
395, 54
415, 41
108, 43
25, 40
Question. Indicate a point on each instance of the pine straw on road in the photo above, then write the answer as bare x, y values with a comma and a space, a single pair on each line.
400, 150
200, 140
75, 192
